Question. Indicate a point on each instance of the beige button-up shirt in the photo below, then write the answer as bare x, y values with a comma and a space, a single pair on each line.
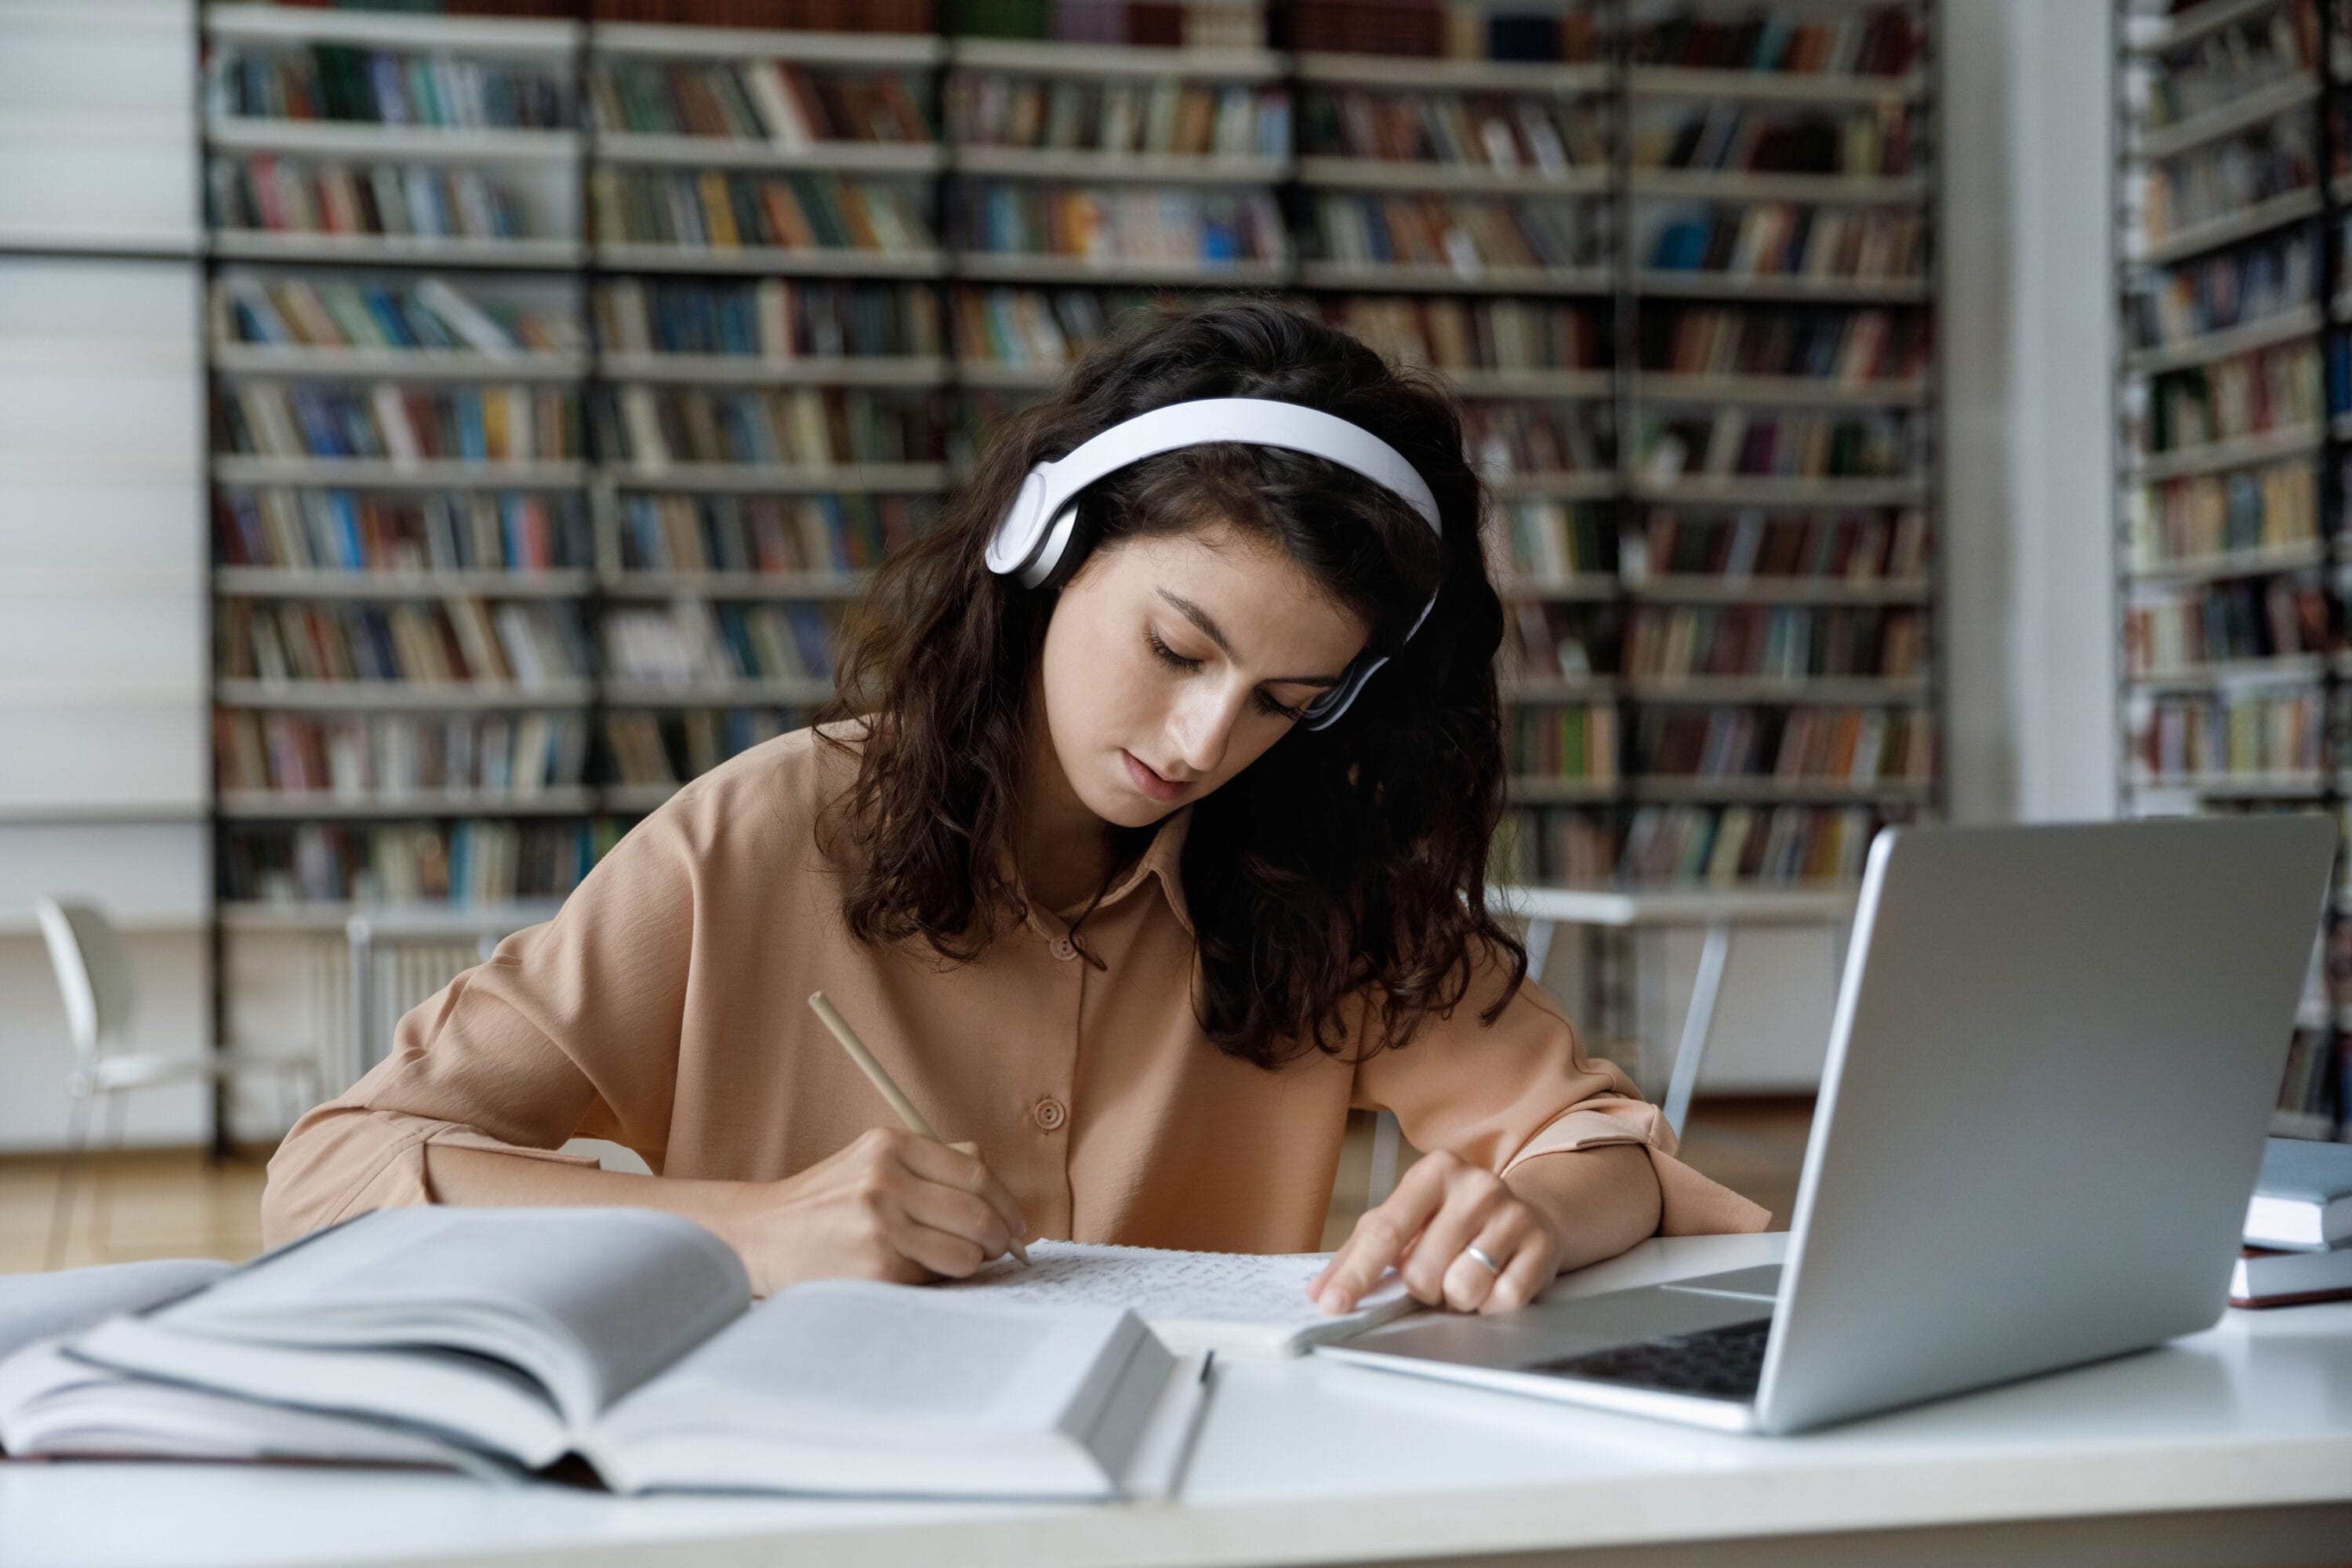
665, 1009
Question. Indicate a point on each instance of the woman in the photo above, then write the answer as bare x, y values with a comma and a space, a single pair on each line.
1140, 851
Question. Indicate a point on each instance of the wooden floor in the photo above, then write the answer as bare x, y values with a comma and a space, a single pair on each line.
173, 1203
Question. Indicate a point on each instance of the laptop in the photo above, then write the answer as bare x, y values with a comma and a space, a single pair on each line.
2050, 1074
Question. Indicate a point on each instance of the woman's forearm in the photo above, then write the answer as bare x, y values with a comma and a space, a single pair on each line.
1603, 1199
485, 1177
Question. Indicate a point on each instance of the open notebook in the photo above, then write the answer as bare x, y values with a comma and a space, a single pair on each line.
625, 1336
1232, 1302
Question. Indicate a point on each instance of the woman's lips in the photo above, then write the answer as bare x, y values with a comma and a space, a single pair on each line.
1149, 783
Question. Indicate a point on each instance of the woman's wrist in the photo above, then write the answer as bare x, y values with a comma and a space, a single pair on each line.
1602, 1199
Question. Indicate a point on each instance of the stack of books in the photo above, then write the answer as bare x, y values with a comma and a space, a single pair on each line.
2298, 1227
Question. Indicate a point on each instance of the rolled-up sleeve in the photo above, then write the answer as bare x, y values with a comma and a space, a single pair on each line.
570, 1029
1500, 1094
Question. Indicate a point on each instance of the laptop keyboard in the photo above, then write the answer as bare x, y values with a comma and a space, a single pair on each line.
1721, 1364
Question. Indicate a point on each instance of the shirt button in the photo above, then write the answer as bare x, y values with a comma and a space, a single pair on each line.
1064, 948
1050, 1113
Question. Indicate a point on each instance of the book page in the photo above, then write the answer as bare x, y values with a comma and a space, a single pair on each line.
38, 1306
615, 1294
1264, 1295
854, 1355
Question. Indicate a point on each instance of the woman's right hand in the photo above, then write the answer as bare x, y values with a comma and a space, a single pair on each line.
892, 1205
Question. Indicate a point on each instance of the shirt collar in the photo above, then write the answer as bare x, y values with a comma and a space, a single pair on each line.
1163, 858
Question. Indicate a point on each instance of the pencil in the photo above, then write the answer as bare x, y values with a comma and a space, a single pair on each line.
913, 1118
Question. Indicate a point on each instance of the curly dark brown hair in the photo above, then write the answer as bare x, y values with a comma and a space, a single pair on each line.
1345, 861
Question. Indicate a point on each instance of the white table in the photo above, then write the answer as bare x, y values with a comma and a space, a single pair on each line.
2233, 1445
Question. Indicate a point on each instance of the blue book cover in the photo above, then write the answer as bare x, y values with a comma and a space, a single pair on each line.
813, 634
473, 439
351, 553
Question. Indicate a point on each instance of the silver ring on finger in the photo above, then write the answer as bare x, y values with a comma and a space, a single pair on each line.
1478, 1253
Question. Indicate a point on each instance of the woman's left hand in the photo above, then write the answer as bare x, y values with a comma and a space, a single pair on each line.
1443, 1206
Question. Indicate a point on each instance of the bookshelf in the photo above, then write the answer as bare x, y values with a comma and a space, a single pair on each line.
761, 290
2231, 433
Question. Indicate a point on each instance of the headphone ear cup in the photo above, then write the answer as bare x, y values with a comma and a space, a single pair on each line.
1067, 539
1325, 711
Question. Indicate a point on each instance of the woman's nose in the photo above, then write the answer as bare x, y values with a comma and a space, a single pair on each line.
1203, 728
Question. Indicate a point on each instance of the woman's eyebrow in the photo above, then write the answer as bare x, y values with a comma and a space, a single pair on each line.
1215, 634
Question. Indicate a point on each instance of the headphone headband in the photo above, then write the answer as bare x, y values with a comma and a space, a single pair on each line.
1034, 536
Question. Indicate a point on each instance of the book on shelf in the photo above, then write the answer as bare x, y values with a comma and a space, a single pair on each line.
388, 421
323, 82
2240, 288
726, 210
312, 529
1566, 741
1883, 40
2193, 736
283, 194
466, 861
1868, 141
1858, 747
1567, 33
766, 534
1015, 1388
692, 640
1176, 25
802, 426
1036, 328
1462, 234
674, 746
2197, 516
2252, 394
1178, 225
1820, 546
1543, 134
2317, 1082
1454, 335
428, 314
1792, 240
772, 317
1735, 441
1549, 641
1846, 347
1170, 117
1543, 540
2215, 181
2281, 617
1739, 845
1774, 642
1577, 849
1512, 439
883, 16
787, 103
455, 639
361, 756
2265, 45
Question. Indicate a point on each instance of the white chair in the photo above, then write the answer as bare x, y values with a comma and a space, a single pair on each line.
95, 978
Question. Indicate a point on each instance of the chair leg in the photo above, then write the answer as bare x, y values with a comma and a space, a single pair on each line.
102, 1232
62, 1217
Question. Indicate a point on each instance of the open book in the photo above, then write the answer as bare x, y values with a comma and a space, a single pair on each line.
626, 1336
1231, 1302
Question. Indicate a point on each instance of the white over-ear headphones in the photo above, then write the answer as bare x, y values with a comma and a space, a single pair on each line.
1031, 539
